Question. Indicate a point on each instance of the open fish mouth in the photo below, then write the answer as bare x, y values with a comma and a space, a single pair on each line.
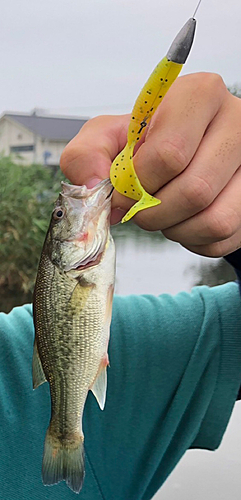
94, 200
86, 228
79, 192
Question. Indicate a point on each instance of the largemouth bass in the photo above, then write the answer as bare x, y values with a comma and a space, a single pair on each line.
72, 315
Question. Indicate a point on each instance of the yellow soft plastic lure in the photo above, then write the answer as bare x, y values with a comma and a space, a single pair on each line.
122, 172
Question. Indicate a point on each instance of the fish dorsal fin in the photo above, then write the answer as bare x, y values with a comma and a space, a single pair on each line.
38, 373
100, 386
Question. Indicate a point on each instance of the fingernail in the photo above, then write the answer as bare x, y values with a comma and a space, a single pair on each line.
116, 216
92, 182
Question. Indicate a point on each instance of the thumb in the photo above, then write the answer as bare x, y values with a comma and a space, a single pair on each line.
87, 158
90, 183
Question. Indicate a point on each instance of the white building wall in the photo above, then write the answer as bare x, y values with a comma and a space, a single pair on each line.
4, 142
53, 147
12, 134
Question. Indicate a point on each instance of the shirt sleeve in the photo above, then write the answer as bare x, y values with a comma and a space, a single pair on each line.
175, 370
234, 259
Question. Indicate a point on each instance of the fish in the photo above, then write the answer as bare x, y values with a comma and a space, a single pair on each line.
72, 315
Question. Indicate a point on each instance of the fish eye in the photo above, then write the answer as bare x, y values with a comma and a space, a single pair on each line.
58, 213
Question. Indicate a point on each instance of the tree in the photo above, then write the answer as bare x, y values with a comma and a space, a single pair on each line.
27, 195
235, 89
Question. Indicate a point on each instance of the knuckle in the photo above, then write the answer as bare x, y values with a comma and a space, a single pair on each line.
144, 222
210, 83
223, 225
170, 234
170, 155
215, 250
214, 81
206, 87
198, 194
147, 221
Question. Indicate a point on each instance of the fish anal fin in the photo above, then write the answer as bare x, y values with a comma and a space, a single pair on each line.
99, 386
38, 373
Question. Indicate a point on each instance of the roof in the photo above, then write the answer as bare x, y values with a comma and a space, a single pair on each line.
49, 127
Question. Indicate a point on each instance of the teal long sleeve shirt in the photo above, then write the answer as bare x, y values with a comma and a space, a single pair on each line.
175, 371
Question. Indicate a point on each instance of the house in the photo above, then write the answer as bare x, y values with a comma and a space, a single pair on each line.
31, 138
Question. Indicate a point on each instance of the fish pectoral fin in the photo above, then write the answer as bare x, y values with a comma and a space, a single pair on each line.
99, 386
38, 373
80, 295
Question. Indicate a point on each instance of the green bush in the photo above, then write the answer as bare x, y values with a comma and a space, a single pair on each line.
27, 194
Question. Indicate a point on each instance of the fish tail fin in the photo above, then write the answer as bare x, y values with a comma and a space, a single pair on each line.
63, 461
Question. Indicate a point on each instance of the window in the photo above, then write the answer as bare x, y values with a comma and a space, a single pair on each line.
21, 149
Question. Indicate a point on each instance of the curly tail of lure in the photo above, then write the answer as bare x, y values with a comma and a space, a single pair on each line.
122, 172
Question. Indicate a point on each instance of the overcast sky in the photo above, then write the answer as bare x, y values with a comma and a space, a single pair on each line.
92, 56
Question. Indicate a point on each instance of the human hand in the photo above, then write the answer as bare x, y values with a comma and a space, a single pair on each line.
189, 158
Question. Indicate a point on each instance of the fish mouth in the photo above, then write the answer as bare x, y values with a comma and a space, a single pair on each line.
94, 200
89, 243
82, 192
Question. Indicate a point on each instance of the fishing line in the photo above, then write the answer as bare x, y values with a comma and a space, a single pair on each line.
196, 9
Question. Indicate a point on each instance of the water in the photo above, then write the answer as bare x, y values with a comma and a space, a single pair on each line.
146, 266
150, 265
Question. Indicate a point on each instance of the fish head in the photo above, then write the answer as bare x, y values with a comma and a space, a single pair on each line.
79, 226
